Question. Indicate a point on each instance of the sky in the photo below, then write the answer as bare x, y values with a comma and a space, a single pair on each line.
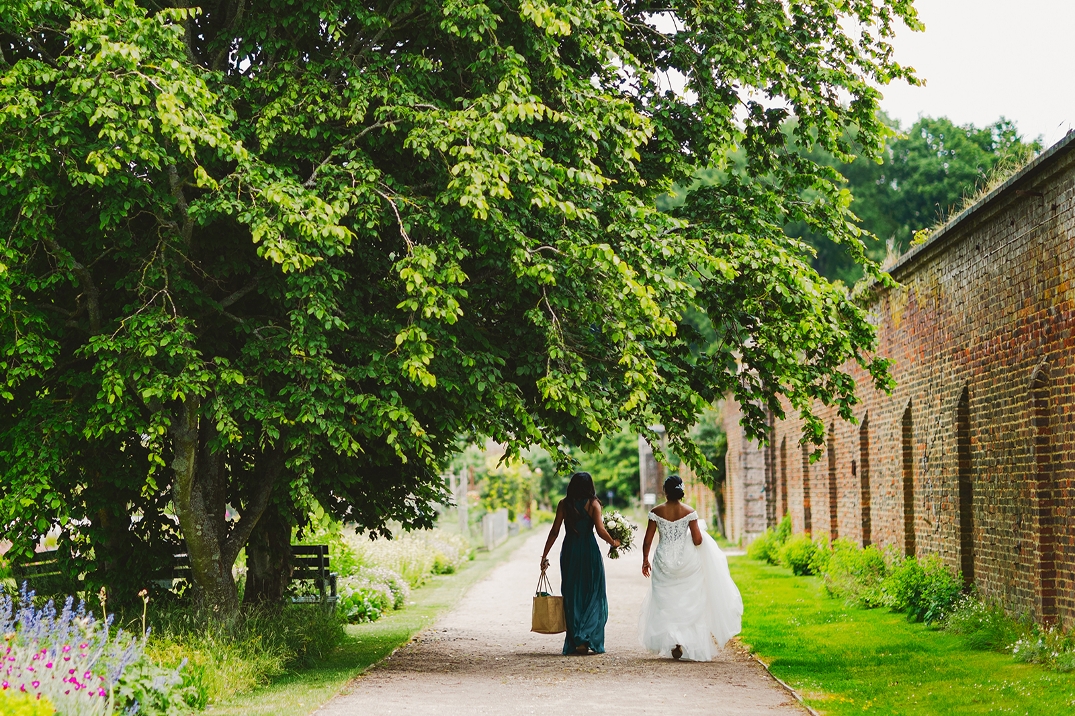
983, 59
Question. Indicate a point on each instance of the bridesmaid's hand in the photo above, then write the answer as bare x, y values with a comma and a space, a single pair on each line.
615, 543
544, 563
645, 568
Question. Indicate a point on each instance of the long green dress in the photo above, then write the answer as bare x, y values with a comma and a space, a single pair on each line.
582, 576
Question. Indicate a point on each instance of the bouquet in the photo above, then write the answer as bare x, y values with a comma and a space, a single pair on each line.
620, 529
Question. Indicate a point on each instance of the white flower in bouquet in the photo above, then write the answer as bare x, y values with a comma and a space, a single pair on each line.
619, 528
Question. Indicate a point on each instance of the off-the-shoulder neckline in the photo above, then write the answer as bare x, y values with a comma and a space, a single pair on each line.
672, 522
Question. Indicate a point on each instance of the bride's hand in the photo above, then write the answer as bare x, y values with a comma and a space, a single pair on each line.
645, 568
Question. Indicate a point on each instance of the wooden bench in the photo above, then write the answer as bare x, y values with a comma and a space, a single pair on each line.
45, 576
309, 563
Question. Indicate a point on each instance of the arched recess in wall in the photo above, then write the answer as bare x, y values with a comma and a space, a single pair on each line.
807, 515
908, 483
966, 488
783, 477
1043, 488
834, 493
864, 480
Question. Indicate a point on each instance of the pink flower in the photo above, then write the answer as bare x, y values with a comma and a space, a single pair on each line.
48, 665
35, 684
5, 684
66, 648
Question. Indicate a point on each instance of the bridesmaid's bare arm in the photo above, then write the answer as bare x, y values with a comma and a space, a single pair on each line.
594, 509
554, 532
651, 528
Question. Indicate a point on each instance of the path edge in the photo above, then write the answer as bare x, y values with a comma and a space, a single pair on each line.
793, 692
370, 667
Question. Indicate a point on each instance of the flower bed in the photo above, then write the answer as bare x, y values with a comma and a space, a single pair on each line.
68, 661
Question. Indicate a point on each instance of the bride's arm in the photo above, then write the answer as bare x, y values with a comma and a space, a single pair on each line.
594, 509
554, 532
696, 533
651, 528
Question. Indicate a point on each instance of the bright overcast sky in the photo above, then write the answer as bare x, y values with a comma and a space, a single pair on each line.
983, 59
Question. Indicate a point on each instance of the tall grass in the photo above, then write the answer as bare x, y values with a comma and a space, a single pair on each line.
234, 656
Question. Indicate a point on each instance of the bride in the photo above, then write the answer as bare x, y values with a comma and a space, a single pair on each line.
692, 598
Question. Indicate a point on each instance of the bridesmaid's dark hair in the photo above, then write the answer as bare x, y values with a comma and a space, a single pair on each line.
580, 488
673, 488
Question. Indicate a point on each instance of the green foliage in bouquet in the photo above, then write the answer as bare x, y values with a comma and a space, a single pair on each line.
619, 528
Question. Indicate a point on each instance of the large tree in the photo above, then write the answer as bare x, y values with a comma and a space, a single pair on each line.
927, 174
262, 253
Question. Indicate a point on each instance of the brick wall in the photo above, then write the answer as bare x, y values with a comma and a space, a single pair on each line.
745, 498
972, 457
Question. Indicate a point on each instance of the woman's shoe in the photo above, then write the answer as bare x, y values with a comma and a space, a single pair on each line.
677, 652
582, 649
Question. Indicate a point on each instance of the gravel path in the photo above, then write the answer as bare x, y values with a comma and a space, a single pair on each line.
481, 658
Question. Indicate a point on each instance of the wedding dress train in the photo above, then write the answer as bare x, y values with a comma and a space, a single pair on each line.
692, 598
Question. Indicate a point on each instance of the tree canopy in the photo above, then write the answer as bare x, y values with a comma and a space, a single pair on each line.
265, 254
928, 171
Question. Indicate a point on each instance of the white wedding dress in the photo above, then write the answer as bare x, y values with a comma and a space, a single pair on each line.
692, 598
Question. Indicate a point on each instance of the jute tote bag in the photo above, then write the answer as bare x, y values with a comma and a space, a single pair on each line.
548, 617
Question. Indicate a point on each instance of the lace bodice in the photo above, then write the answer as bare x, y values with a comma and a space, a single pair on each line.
675, 537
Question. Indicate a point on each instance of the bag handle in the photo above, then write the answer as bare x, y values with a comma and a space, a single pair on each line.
543, 578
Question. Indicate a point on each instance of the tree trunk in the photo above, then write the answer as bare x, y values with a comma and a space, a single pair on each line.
268, 559
201, 493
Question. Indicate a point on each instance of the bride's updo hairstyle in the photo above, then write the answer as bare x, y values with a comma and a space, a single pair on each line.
673, 488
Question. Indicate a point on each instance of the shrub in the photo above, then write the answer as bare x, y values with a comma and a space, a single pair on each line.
1050, 647
766, 547
925, 590
856, 575
819, 561
19, 704
982, 625
367, 595
799, 553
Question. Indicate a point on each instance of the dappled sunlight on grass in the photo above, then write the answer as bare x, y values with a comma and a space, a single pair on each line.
847, 660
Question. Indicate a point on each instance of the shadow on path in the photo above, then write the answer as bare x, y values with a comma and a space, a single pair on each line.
481, 658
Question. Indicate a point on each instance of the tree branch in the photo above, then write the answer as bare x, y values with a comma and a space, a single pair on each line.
85, 280
309, 183
225, 302
186, 229
229, 27
265, 476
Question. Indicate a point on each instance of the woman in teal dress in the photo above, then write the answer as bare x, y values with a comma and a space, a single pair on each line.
582, 573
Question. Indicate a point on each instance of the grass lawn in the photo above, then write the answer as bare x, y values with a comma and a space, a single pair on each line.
846, 660
302, 692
